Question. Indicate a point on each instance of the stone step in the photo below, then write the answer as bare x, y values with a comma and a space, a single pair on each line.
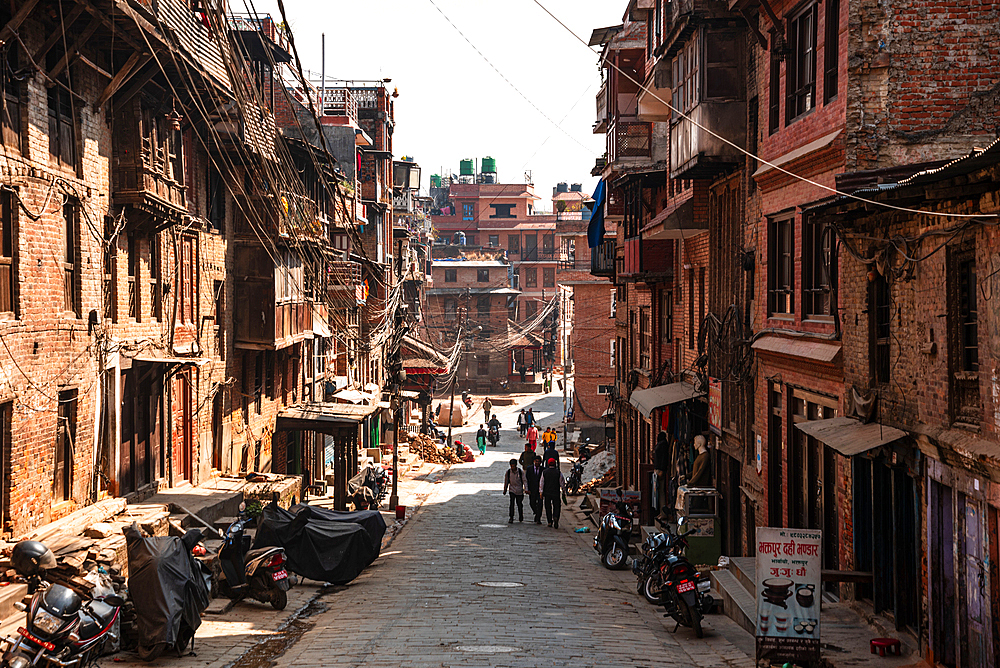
737, 603
745, 570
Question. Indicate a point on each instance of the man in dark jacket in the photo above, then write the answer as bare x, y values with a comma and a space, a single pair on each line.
550, 453
527, 457
552, 487
534, 476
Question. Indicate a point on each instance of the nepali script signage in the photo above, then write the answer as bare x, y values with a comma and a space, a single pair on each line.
788, 594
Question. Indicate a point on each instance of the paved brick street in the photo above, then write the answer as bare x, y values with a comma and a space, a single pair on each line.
424, 604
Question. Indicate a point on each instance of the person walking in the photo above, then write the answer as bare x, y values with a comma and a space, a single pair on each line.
527, 457
533, 474
533, 436
487, 407
530, 417
481, 439
550, 453
522, 422
516, 483
553, 486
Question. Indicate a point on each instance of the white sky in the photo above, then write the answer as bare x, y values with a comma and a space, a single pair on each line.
451, 104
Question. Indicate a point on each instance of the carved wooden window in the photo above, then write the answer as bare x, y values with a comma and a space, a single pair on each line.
819, 269
966, 402
188, 295
11, 112
62, 129
781, 266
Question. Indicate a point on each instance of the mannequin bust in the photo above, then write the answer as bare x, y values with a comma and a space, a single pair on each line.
701, 474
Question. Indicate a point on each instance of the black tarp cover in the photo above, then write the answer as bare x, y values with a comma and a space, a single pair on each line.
317, 549
165, 585
371, 520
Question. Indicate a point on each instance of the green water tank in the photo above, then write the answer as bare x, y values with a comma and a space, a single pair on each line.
435, 180
465, 168
489, 165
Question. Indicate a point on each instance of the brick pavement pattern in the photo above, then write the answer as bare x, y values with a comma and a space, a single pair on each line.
420, 604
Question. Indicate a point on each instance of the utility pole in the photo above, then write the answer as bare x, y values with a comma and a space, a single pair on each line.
451, 404
565, 389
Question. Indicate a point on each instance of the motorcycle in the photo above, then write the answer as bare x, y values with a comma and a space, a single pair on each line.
493, 436
684, 593
62, 628
575, 478
653, 554
467, 399
258, 574
611, 541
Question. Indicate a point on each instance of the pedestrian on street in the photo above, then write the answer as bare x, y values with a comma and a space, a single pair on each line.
487, 407
553, 486
515, 481
530, 417
533, 436
481, 439
527, 457
522, 422
520, 371
534, 477
550, 453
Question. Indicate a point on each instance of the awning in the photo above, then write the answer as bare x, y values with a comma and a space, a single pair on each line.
663, 395
849, 436
608, 413
323, 417
152, 359
353, 396
817, 351
321, 329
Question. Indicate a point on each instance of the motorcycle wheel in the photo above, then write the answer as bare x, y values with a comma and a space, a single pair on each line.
279, 599
614, 557
692, 617
651, 589
151, 653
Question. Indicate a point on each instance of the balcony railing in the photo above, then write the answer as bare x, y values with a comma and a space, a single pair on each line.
601, 125
602, 259
343, 275
340, 102
259, 22
629, 140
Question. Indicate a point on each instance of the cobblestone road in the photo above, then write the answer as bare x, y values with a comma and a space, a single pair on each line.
424, 604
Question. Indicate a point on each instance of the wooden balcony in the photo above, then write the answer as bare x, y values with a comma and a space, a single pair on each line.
627, 139
602, 259
260, 321
601, 125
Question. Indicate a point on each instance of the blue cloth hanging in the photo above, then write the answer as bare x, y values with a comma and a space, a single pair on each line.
595, 231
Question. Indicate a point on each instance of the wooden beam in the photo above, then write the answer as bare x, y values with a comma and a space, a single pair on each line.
92, 65
140, 81
755, 29
75, 48
132, 64
15, 23
57, 35
119, 33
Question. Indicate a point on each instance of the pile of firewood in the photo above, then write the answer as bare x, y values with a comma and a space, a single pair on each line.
606, 480
430, 451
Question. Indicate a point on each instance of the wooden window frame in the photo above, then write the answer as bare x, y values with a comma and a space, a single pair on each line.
831, 50
61, 114
451, 275
800, 65
819, 270
187, 310
10, 114
530, 275
482, 275
880, 330
781, 267
548, 277
71, 257
8, 253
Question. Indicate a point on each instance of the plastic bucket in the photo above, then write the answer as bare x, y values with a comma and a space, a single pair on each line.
400, 512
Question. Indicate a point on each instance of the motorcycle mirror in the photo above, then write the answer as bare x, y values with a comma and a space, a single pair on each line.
243, 506
115, 600
681, 521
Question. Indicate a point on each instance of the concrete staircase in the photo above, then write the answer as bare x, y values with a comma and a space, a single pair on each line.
735, 587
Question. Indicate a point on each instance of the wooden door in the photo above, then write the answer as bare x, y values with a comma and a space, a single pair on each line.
126, 448
942, 576
994, 552
975, 586
217, 431
187, 424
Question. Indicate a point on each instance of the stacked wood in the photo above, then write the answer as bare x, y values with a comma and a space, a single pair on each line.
430, 451
606, 480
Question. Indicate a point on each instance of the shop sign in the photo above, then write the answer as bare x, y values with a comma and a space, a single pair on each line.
788, 594
715, 405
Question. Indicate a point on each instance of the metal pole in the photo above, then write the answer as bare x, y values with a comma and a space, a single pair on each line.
451, 406
322, 89
394, 497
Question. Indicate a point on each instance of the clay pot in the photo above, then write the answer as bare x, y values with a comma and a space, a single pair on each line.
804, 595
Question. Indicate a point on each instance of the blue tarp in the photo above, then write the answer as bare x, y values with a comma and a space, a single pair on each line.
595, 231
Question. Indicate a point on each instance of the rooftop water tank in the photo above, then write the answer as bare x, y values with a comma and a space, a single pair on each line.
562, 187
435, 180
576, 187
465, 168
489, 165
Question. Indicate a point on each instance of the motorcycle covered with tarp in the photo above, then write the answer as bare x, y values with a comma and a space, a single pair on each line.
169, 590
370, 520
318, 549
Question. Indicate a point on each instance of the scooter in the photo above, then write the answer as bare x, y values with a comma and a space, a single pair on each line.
467, 400
61, 628
244, 573
653, 554
611, 541
684, 593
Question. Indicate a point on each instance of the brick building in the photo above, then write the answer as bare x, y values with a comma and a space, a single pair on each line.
166, 289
